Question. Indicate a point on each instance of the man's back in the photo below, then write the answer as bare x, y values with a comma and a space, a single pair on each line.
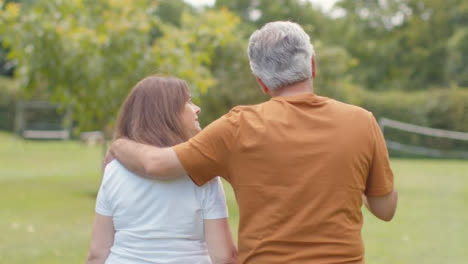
298, 165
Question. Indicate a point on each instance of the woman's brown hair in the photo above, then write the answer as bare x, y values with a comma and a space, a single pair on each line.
151, 113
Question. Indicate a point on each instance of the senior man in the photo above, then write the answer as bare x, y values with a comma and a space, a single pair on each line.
300, 164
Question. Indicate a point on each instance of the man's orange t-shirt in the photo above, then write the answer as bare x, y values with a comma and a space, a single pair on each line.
298, 166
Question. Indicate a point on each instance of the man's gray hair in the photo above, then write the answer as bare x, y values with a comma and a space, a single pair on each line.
280, 54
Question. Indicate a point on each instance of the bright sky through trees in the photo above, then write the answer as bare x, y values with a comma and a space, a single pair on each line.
325, 4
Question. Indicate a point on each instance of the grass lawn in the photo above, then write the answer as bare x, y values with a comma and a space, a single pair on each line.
48, 192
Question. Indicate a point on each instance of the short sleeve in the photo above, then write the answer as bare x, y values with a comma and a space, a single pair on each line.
102, 205
380, 178
206, 155
214, 200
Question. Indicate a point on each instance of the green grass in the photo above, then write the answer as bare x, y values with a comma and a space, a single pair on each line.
431, 223
47, 200
48, 192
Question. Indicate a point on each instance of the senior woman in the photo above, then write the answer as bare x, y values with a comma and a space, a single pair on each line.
140, 220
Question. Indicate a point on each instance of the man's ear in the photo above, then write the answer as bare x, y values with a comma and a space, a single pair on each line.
262, 85
314, 67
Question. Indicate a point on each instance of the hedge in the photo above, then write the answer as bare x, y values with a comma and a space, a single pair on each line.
437, 108
8, 90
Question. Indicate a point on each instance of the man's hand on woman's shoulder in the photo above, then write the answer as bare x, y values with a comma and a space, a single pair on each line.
107, 159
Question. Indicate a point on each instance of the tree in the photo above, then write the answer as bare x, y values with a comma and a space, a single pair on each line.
334, 62
88, 54
6, 67
403, 44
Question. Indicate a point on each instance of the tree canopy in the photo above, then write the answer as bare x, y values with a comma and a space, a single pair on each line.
87, 54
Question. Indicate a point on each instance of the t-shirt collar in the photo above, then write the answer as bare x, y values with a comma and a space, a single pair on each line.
308, 97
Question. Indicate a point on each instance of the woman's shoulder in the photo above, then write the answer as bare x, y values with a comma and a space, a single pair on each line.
210, 186
113, 169
116, 171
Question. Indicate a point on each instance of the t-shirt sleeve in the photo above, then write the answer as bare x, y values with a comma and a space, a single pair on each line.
214, 200
206, 155
103, 206
380, 178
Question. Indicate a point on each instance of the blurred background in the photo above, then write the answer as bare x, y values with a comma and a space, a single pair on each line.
66, 66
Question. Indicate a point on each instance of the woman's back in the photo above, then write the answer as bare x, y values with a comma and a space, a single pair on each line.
158, 221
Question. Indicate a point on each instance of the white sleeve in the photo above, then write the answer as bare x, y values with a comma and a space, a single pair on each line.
214, 200
102, 204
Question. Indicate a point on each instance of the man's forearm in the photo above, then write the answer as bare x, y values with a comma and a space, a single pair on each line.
146, 160
131, 154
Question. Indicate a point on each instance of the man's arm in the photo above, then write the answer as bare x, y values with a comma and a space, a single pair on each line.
380, 192
146, 160
383, 207
107, 159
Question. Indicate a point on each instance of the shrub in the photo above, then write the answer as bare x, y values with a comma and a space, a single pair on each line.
8, 91
437, 108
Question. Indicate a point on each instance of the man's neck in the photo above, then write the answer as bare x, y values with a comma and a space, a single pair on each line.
304, 87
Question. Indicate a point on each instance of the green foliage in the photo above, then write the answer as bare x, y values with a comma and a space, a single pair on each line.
231, 68
441, 108
457, 60
171, 11
8, 90
8, 97
407, 45
438, 108
6, 67
64, 51
333, 73
235, 85
188, 51
260, 12
88, 54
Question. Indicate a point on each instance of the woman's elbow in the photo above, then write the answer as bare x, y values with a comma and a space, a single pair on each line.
95, 258
97, 255
233, 257
228, 258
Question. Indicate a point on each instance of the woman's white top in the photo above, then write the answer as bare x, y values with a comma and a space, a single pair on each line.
158, 221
